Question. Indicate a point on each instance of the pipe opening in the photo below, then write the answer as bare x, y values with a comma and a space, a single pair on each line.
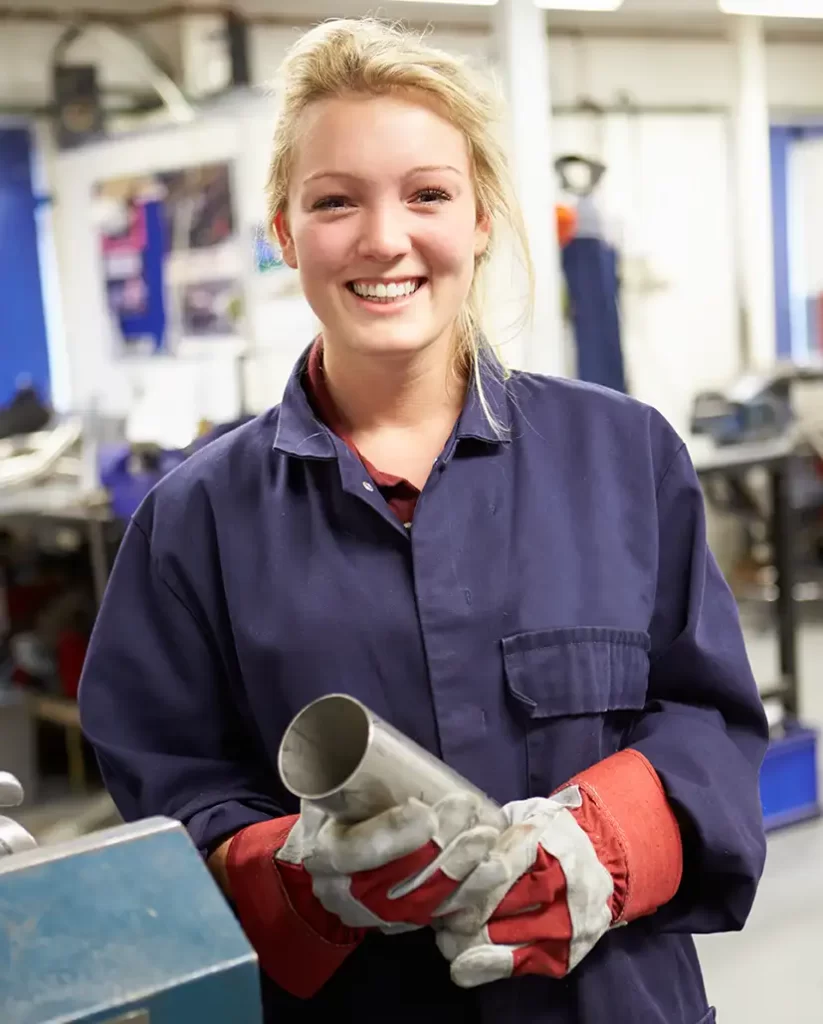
324, 746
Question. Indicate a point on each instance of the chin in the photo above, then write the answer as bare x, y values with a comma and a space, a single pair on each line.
406, 340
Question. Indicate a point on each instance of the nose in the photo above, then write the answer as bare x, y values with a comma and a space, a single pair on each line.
385, 235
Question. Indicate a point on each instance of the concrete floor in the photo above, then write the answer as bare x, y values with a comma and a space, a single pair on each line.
772, 970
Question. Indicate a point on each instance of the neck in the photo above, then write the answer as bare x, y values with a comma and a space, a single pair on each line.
399, 392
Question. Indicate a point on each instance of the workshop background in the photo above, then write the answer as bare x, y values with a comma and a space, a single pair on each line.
669, 158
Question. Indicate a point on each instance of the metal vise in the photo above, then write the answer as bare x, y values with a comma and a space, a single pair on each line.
123, 926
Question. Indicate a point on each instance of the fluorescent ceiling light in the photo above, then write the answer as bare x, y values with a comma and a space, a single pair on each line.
773, 8
468, 3
579, 5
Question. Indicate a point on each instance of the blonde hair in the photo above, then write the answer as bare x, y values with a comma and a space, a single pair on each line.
371, 57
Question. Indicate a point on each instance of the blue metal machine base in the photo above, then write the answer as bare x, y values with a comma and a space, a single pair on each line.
121, 925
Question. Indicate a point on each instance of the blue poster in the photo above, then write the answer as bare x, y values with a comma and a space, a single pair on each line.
171, 256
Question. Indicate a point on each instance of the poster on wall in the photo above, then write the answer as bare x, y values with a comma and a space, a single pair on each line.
172, 257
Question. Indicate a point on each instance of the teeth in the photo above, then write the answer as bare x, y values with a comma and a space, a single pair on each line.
386, 292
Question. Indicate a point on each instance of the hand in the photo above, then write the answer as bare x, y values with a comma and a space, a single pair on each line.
392, 871
537, 905
602, 852
307, 888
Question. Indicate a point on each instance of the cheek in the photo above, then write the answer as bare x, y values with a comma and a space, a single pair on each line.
449, 246
452, 261
320, 247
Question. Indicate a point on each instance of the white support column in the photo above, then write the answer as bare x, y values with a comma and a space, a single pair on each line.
754, 197
523, 54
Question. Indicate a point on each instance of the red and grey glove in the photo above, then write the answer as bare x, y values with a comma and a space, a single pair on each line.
603, 851
307, 888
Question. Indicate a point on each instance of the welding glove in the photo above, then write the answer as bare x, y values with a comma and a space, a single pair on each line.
602, 852
308, 888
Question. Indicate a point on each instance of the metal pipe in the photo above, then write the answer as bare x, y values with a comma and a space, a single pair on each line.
13, 837
340, 756
11, 792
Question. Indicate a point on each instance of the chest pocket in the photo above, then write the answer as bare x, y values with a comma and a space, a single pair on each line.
576, 693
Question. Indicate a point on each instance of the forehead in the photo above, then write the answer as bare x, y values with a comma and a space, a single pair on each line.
376, 137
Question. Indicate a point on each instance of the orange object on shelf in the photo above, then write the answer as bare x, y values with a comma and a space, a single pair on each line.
566, 223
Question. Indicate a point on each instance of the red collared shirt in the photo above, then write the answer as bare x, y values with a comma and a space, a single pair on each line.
401, 496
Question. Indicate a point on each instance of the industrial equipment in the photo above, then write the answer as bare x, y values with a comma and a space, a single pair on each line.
123, 926
763, 406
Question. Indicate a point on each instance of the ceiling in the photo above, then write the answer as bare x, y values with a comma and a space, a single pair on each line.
636, 17
696, 17
654, 17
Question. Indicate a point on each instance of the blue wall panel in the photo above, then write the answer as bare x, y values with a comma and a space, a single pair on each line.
780, 140
23, 344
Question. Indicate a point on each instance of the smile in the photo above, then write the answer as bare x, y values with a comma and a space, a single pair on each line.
386, 291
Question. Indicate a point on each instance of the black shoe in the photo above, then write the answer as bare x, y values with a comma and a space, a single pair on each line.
24, 414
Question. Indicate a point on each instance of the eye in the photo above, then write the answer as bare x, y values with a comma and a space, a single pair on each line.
428, 196
330, 203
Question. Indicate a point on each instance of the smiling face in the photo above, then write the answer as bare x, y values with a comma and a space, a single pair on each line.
382, 223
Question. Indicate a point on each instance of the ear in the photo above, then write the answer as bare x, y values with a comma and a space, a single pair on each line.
284, 239
482, 233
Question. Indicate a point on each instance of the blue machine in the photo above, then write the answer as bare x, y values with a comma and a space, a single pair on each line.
123, 926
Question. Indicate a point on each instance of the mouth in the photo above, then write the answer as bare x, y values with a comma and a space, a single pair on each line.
386, 293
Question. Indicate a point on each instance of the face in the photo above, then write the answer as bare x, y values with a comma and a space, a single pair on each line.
382, 223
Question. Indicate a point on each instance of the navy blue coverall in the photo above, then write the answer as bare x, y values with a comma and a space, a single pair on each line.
553, 602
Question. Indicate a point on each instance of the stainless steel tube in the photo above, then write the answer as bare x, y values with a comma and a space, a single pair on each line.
11, 792
13, 837
340, 756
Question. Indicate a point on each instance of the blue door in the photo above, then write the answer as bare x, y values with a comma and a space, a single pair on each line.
23, 344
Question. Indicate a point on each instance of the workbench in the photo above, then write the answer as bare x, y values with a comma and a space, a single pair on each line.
777, 457
61, 504
66, 505
789, 777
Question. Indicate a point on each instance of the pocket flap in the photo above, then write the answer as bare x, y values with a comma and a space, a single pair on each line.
577, 671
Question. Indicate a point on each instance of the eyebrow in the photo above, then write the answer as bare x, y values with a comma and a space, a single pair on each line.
425, 168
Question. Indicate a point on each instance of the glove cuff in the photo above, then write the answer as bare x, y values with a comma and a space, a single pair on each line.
634, 831
298, 943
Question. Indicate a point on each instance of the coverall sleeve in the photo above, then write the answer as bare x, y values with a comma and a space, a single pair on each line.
703, 728
172, 734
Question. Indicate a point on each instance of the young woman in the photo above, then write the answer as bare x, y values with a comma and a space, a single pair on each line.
511, 569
